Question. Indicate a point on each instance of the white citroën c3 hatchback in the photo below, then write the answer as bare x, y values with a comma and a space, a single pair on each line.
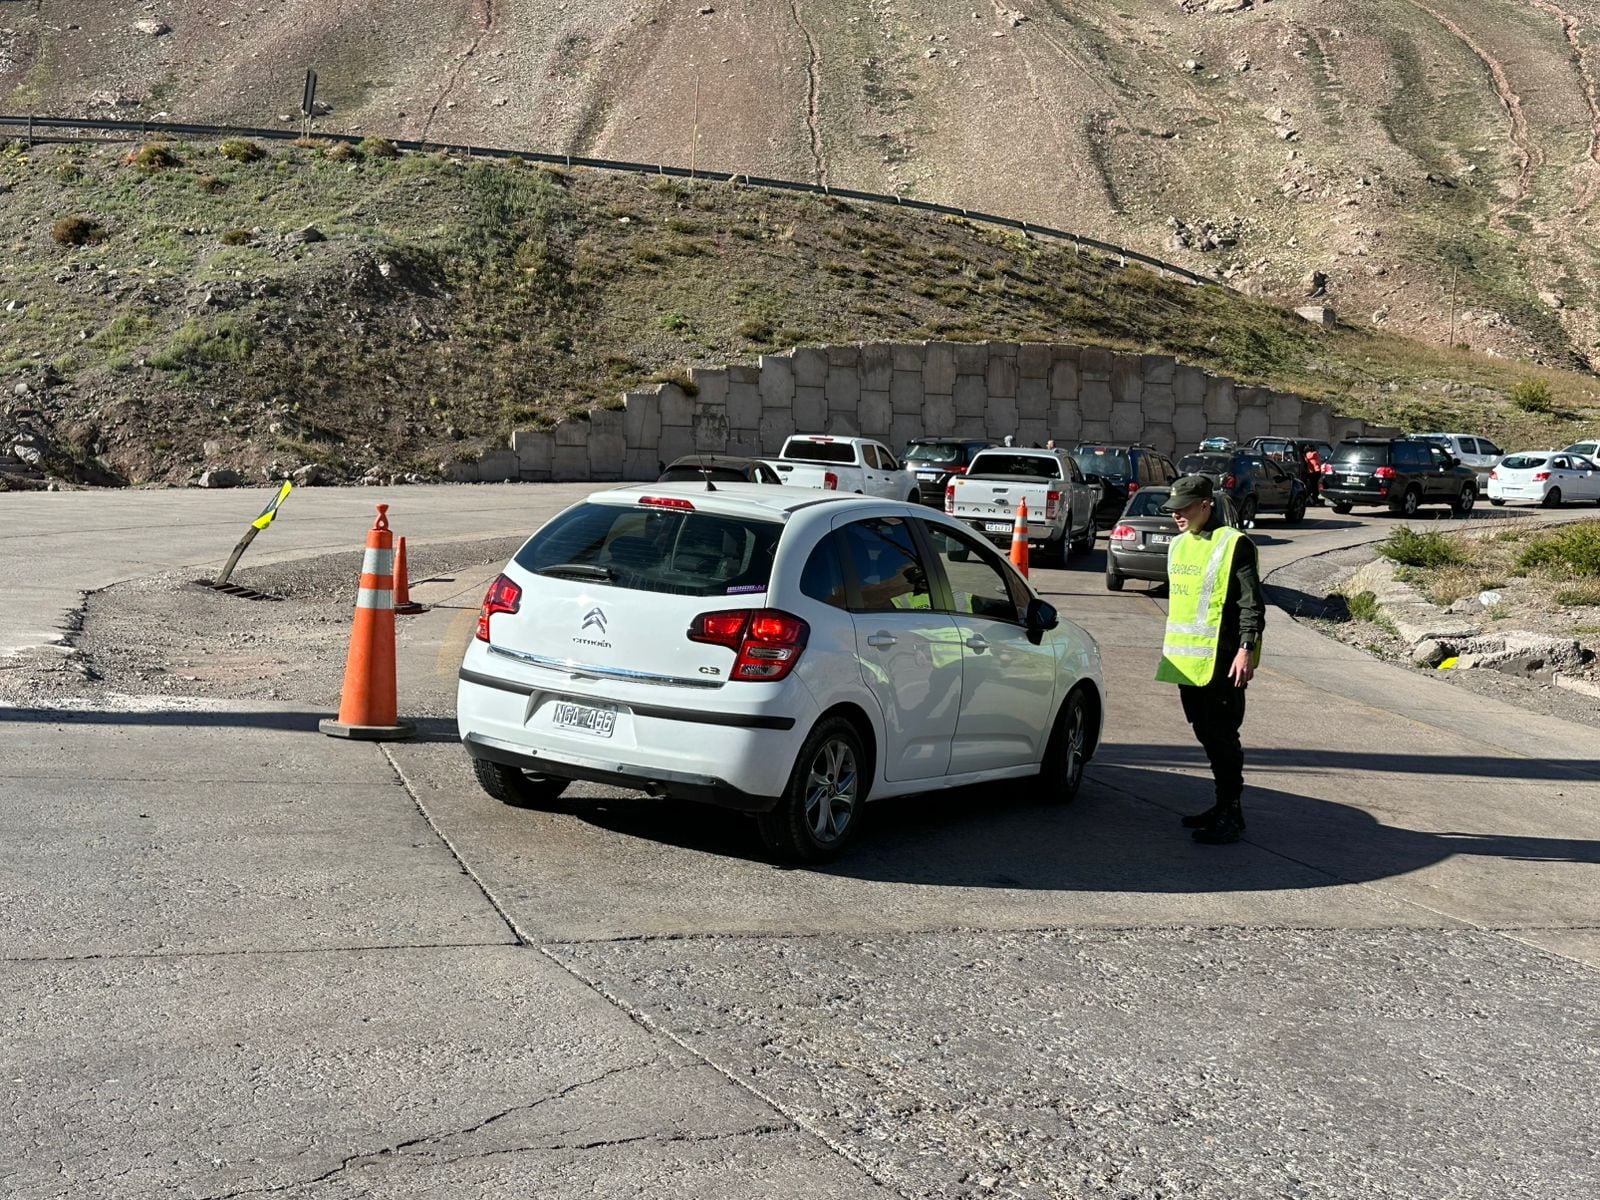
774, 651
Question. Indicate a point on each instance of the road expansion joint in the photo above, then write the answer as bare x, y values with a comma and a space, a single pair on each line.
252, 952
466, 867
796, 1119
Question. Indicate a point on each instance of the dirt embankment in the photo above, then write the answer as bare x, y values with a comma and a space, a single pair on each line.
1368, 140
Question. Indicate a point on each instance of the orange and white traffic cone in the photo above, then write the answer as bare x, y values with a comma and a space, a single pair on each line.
1019, 539
403, 603
368, 708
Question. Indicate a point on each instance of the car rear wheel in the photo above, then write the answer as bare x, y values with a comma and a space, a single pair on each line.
516, 787
1552, 498
1407, 505
1496, 503
1341, 508
1296, 512
820, 809
1465, 501
1061, 771
1091, 531
1114, 581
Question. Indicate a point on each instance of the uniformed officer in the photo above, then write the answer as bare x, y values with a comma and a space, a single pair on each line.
1213, 643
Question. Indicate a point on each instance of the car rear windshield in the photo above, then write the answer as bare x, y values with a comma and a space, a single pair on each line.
1523, 462
1147, 502
799, 450
1361, 452
1114, 463
1037, 466
934, 452
1205, 464
655, 550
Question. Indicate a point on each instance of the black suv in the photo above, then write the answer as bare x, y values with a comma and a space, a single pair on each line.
1121, 471
1399, 473
936, 459
1255, 483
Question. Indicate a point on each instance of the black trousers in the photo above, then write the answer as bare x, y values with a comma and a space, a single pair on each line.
1217, 711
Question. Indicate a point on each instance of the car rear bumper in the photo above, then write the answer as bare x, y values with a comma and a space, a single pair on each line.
1139, 564
702, 789
1336, 495
664, 744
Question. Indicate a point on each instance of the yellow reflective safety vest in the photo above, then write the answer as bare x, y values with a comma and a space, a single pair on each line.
1198, 570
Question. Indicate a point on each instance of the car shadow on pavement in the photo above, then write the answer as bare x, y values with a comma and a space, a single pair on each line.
1121, 835
427, 729
1266, 761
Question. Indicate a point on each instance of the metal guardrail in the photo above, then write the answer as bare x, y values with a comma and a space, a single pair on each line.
31, 124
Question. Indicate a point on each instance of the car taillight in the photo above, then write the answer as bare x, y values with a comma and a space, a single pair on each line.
1540, 476
958, 470
950, 498
1133, 486
1124, 533
1384, 473
667, 502
1327, 468
503, 596
1229, 481
1052, 505
1494, 474
830, 481
766, 641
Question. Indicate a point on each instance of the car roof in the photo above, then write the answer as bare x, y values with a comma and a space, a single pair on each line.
731, 499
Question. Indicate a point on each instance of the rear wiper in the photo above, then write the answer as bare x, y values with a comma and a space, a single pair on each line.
579, 571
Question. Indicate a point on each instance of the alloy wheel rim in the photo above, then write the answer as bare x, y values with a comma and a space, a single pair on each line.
831, 786
1072, 756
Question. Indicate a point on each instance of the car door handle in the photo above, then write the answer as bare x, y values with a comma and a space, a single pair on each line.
978, 642
881, 640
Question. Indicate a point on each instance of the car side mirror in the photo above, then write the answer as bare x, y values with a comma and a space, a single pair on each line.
1040, 617
1091, 477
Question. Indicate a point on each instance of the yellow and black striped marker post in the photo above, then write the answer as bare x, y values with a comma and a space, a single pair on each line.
268, 515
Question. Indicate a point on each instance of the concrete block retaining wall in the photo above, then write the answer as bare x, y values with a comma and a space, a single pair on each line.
897, 392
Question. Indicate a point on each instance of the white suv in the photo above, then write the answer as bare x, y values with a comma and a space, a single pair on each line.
774, 651
1479, 453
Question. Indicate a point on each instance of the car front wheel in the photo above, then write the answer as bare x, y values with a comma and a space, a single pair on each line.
1061, 772
516, 787
820, 809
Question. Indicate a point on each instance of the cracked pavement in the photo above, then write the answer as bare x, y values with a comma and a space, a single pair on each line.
241, 959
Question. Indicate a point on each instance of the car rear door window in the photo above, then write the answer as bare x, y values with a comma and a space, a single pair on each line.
1361, 454
887, 573
823, 578
978, 583
869, 455
805, 450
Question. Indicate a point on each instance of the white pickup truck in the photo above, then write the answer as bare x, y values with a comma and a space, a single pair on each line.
1061, 501
844, 464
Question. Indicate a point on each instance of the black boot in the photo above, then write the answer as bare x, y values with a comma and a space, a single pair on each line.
1202, 819
1227, 826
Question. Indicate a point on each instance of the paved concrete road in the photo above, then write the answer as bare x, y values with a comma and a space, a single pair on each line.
246, 959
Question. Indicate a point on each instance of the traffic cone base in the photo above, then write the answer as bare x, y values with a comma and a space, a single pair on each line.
367, 733
367, 707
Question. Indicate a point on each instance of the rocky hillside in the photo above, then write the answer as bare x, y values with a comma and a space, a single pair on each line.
1432, 165
174, 307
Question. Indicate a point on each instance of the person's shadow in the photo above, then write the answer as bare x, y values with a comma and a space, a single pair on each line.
1121, 835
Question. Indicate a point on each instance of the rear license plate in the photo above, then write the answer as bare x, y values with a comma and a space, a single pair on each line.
927, 474
596, 721
1354, 479
1160, 539
998, 526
